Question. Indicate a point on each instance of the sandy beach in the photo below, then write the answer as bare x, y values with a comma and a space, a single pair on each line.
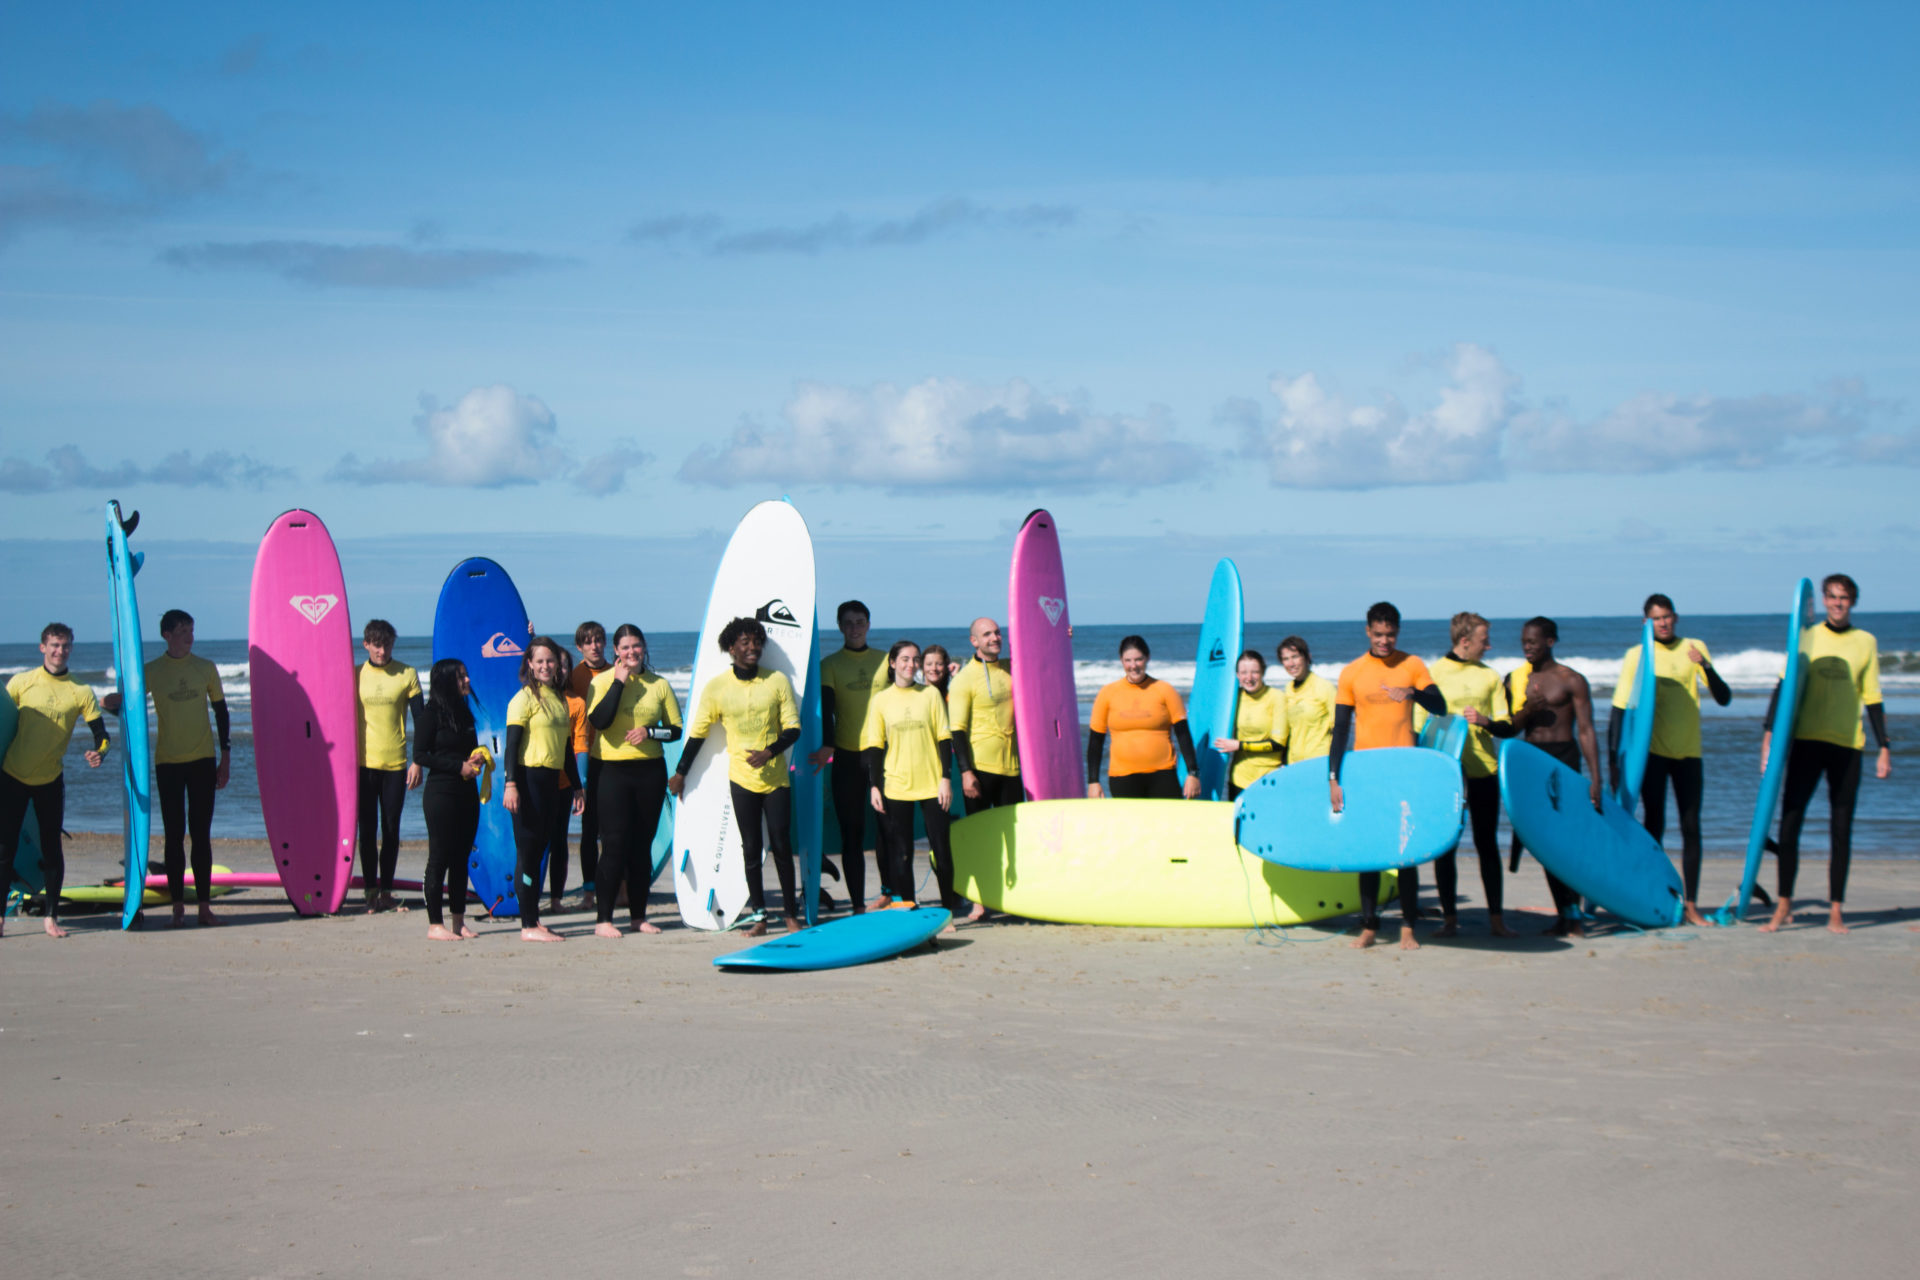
286, 1097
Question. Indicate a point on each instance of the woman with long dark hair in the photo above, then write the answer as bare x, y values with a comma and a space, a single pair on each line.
539, 752
446, 746
633, 713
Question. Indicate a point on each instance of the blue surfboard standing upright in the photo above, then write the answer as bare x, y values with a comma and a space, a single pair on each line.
1786, 710
1215, 700
1636, 731
481, 621
130, 671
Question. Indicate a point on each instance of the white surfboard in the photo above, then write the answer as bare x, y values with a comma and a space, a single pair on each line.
766, 573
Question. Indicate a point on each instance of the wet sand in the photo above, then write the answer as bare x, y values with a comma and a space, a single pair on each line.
286, 1097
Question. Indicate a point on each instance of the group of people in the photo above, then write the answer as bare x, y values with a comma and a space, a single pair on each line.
587, 738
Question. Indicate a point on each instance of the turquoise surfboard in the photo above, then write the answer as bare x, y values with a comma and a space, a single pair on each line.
1445, 734
1605, 856
130, 666
852, 940
1786, 710
1215, 699
809, 795
1636, 732
27, 877
1402, 806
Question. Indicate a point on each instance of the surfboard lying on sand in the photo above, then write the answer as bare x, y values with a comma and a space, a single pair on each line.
1402, 807
839, 943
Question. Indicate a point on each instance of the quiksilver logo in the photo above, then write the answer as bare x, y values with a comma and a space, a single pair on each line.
500, 645
1219, 653
1053, 607
775, 611
314, 608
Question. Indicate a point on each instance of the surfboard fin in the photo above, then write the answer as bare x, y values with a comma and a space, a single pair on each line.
713, 903
137, 559
129, 523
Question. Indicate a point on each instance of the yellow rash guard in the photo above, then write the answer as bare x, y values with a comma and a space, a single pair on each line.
183, 691
384, 693
980, 705
1676, 694
854, 678
908, 724
754, 713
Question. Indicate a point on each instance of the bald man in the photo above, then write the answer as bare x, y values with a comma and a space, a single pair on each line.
980, 713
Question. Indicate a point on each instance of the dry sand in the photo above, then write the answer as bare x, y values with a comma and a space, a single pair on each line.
284, 1097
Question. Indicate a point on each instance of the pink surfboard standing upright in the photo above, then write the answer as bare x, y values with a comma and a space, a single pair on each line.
1046, 709
300, 660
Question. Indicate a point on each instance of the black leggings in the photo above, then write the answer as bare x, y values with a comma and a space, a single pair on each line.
49, 804
629, 794
1564, 899
186, 809
452, 811
1370, 897
996, 790
590, 826
1689, 780
896, 850
1483, 813
776, 808
539, 825
1161, 784
383, 792
1806, 765
851, 792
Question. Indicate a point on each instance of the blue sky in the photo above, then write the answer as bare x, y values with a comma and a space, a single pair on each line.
1510, 307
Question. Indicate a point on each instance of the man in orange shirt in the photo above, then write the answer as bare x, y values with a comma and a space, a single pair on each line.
1375, 701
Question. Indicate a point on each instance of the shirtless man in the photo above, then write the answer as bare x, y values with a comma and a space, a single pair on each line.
1555, 713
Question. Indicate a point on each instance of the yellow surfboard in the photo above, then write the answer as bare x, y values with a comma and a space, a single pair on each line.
1150, 863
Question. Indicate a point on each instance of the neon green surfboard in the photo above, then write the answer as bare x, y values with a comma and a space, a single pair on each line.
1150, 863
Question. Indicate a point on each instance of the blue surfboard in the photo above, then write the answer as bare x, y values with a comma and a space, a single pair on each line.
130, 668
1445, 734
1402, 807
28, 877
1786, 710
809, 799
481, 621
1636, 732
1215, 699
848, 941
1605, 855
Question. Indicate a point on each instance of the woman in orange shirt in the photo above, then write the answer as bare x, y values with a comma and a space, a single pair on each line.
1146, 719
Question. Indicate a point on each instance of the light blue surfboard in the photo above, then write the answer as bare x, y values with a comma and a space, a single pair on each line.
1402, 807
1605, 856
1636, 731
809, 798
847, 941
130, 668
1445, 734
1786, 710
1215, 699
27, 873
481, 621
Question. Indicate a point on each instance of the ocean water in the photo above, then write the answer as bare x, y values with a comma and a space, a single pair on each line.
1748, 651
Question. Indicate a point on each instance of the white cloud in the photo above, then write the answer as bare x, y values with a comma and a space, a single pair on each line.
947, 433
67, 468
607, 473
1658, 432
491, 437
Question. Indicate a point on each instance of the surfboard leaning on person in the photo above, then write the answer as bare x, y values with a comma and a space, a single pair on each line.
634, 714
539, 751
1843, 680
1554, 712
31, 775
385, 690
1680, 667
908, 748
1475, 693
1147, 720
849, 676
754, 706
1374, 703
1259, 726
184, 689
590, 641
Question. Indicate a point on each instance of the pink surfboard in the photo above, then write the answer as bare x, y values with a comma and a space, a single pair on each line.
300, 660
1046, 710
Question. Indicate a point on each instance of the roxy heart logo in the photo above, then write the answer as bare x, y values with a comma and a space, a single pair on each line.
314, 608
1053, 607
500, 645
775, 612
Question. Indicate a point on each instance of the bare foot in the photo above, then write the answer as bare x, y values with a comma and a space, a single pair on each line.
540, 933
1692, 916
880, 903
646, 926
976, 915
1576, 929
793, 924
387, 903
179, 917
586, 901
440, 933
553, 905
1365, 939
1782, 913
606, 929
373, 904
1497, 925
1406, 938
1449, 927
53, 928
460, 927
207, 917
759, 929
1834, 923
